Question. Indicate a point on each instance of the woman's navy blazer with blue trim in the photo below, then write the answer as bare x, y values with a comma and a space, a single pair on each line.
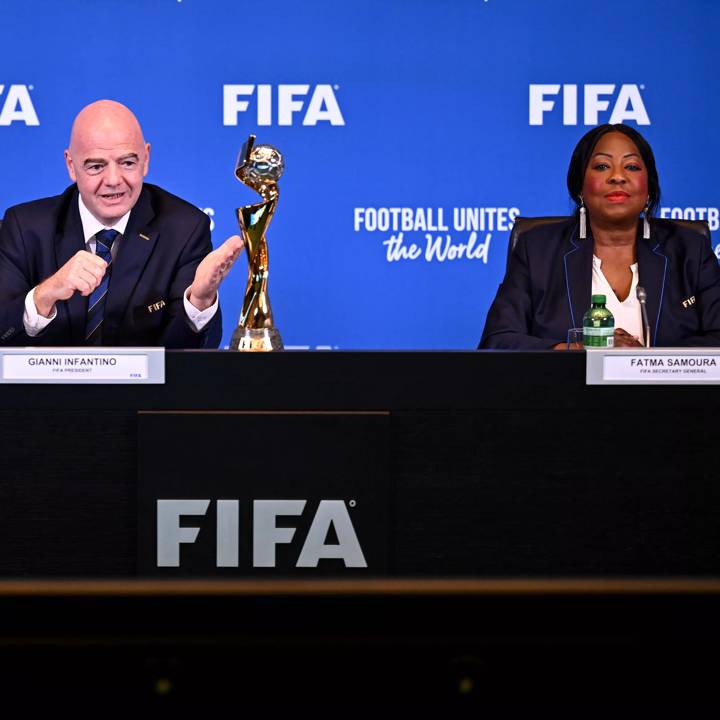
548, 283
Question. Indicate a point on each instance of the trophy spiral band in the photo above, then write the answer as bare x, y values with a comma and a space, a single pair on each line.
259, 167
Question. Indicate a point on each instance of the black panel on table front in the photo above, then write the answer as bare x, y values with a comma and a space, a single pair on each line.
68, 492
491, 464
552, 492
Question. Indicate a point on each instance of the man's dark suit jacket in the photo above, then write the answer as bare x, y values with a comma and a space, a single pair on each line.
548, 284
165, 240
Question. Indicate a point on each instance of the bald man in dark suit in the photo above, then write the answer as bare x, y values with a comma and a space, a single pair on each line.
111, 261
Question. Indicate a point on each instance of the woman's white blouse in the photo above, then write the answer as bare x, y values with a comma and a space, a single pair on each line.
627, 313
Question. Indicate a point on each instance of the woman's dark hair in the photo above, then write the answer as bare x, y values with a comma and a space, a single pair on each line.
584, 150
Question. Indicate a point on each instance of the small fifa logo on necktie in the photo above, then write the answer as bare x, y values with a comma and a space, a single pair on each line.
688, 302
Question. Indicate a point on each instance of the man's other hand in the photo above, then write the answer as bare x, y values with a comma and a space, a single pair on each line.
212, 271
82, 273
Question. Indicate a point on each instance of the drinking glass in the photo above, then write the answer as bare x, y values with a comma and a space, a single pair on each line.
575, 339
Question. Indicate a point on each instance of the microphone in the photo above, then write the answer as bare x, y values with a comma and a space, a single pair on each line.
642, 298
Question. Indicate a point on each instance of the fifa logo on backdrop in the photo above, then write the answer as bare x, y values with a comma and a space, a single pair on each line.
283, 104
17, 106
626, 104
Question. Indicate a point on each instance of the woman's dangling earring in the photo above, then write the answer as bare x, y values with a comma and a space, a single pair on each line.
583, 221
646, 224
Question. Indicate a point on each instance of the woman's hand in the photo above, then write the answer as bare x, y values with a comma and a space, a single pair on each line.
625, 339
622, 339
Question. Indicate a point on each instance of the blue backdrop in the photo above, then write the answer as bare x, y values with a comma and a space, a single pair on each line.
413, 131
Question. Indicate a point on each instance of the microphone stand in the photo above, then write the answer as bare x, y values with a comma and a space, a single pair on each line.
642, 297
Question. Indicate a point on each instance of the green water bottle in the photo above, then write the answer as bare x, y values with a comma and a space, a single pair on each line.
598, 325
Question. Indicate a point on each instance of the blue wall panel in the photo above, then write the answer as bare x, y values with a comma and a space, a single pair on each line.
434, 99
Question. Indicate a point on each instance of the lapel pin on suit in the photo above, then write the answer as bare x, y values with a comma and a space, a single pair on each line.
159, 305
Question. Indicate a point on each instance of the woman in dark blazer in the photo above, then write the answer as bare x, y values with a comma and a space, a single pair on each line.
611, 245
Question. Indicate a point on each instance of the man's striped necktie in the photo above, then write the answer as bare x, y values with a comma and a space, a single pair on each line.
96, 305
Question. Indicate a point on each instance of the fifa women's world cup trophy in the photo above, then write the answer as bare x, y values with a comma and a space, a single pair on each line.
259, 167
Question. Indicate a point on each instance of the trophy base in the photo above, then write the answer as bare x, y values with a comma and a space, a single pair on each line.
256, 340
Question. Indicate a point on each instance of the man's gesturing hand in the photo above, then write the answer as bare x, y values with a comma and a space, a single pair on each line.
212, 271
82, 273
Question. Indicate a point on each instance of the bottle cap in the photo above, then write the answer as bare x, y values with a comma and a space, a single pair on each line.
599, 299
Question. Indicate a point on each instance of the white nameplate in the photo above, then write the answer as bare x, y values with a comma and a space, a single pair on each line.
83, 365
653, 366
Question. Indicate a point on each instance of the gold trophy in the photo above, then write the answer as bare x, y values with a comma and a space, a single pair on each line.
259, 167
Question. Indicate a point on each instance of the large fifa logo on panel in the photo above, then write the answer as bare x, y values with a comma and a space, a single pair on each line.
16, 105
285, 105
267, 532
585, 104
